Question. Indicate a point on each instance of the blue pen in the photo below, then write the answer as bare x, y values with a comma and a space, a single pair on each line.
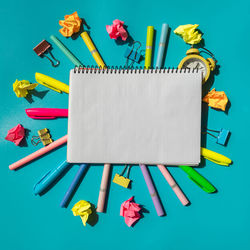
83, 168
162, 45
49, 178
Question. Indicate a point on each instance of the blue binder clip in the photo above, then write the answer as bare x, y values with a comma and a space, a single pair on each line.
222, 137
132, 54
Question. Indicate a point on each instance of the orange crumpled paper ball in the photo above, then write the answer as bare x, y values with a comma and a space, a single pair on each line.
216, 99
16, 134
71, 24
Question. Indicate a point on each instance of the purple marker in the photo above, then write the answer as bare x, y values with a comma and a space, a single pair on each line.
152, 190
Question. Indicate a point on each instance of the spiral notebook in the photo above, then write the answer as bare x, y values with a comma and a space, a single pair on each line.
134, 116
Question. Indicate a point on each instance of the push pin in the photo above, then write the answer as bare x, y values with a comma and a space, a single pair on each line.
223, 135
132, 54
43, 136
121, 180
44, 47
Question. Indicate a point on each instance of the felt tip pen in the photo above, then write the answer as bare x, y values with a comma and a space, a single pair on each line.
49, 178
82, 170
215, 157
198, 179
52, 83
46, 113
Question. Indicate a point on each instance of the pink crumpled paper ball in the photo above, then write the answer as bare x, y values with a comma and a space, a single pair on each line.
16, 134
116, 30
130, 211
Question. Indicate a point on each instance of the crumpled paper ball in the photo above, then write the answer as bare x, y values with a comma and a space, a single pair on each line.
130, 211
16, 134
82, 209
216, 99
188, 33
21, 87
116, 30
71, 24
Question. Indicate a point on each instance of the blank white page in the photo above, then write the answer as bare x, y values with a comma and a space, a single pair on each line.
150, 118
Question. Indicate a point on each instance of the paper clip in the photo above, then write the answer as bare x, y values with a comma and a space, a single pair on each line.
222, 137
43, 136
121, 180
44, 47
132, 54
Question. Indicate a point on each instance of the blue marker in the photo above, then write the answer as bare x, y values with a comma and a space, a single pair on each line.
83, 168
49, 178
162, 45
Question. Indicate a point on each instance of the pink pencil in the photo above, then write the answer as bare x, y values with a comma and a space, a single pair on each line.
103, 188
183, 199
39, 153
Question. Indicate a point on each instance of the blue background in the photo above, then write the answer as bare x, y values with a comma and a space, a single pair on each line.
212, 221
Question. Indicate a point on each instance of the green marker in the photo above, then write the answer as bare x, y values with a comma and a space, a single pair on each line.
198, 179
65, 50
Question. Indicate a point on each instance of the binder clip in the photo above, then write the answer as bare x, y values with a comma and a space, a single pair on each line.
132, 54
222, 137
43, 136
121, 180
44, 47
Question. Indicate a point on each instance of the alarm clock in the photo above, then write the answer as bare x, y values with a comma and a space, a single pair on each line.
194, 60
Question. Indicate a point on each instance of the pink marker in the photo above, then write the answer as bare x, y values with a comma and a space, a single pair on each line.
46, 113
183, 199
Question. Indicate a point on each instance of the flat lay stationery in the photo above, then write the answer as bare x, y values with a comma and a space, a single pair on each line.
132, 116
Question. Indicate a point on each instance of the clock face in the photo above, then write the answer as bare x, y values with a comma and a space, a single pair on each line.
195, 63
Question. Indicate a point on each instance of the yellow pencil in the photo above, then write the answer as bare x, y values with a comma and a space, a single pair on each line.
86, 38
149, 45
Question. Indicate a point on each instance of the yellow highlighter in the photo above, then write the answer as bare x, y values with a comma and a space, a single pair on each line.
149, 45
52, 83
215, 157
86, 38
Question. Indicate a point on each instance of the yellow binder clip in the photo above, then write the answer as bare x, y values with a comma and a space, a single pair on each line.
121, 180
43, 136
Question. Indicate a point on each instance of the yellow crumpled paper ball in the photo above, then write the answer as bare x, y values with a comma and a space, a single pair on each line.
216, 99
21, 87
188, 33
71, 24
83, 209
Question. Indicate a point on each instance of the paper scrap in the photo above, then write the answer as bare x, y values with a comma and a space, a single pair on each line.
188, 33
16, 134
21, 87
116, 30
216, 99
71, 24
130, 211
82, 209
